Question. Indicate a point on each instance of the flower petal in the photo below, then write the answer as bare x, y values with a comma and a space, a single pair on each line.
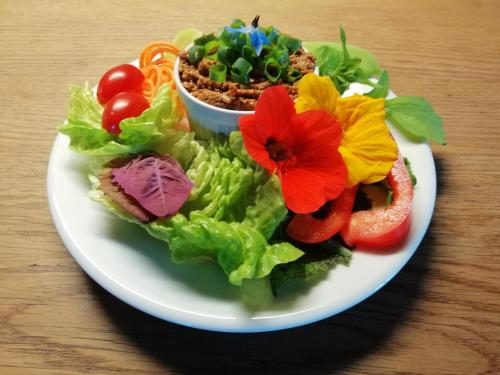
303, 191
258, 40
316, 92
368, 148
274, 112
254, 140
318, 136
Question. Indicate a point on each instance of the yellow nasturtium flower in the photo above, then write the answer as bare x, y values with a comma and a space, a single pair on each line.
367, 147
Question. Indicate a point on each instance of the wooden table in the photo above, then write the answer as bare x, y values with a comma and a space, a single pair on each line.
440, 315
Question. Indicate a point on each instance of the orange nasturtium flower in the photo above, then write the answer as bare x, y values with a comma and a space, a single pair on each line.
367, 147
302, 149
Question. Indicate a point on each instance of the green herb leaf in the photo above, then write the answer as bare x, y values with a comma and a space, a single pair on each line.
410, 171
312, 264
327, 59
381, 88
217, 72
369, 64
415, 115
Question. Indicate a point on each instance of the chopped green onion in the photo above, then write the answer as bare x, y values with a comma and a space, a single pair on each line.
226, 55
237, 23
225, 37
249, 54
281, 56
217, 72
204, 39
290, 43
240, 70
292, 75
211, 49
271, 33
272, 70
196, 54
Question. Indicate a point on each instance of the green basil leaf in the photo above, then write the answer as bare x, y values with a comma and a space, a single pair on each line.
415, 115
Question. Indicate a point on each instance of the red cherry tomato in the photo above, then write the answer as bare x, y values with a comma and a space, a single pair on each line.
121, 106
306, 228
121, 78
384, 227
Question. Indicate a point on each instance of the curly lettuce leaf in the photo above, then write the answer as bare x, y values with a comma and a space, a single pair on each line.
240, 250
232, 211
139, 134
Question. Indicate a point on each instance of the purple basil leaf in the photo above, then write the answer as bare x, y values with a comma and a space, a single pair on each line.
158, 183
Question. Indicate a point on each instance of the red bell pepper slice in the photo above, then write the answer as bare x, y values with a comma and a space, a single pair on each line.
309, 229
384, 227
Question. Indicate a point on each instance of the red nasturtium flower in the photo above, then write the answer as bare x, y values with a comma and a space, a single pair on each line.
302, 149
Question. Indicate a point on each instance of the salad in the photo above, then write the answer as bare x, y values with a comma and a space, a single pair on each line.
293, 192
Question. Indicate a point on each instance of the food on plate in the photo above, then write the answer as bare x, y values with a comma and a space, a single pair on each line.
230, 70
287, 195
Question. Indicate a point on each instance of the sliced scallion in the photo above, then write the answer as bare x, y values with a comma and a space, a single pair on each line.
237, 23
292, 75
240, 70
292, 44
196, 54
204, 39
217, 72
226, 55
272, 70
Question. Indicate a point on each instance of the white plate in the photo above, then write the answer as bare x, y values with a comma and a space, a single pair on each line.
137, 269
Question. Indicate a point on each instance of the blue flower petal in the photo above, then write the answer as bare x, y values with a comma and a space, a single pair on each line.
258, 40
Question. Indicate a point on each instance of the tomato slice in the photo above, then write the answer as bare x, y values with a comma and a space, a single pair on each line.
122, 106
384, 227
308, 229
119, 79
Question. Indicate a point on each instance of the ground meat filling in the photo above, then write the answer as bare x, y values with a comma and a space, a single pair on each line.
232, 95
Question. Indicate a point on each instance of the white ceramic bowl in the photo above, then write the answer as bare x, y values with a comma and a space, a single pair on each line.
203, 116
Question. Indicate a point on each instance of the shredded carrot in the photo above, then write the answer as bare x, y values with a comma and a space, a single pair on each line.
157, 64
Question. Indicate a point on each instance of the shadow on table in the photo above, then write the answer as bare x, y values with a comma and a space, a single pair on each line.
328, 346
332, 345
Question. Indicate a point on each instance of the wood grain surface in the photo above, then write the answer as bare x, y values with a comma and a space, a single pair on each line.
439, 315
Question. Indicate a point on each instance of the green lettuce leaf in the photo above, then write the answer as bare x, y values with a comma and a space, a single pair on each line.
139, 134
415, 117
240, 250
231, 213
313, 264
